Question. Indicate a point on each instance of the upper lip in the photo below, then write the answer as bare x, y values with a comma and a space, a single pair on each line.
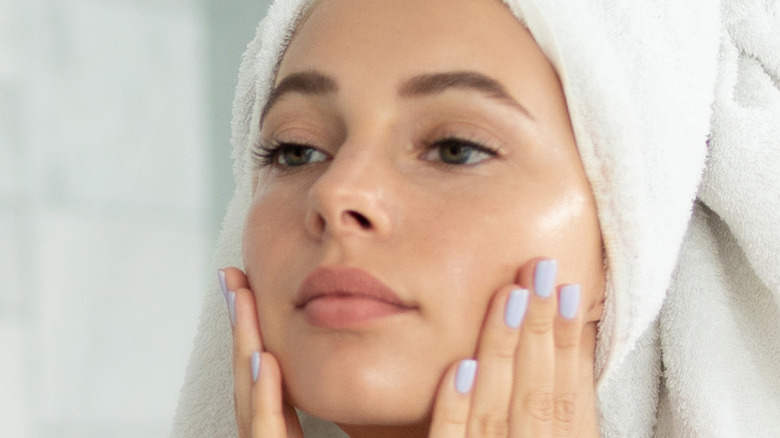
346, 281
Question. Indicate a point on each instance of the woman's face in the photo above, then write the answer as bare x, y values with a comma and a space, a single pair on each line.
427, 144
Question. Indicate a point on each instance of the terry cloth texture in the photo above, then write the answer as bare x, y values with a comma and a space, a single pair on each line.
676, 111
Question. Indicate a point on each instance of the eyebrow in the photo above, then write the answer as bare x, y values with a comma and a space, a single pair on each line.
430, 84
305, 82
315, 83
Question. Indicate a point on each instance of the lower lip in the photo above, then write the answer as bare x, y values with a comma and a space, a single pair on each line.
347, 311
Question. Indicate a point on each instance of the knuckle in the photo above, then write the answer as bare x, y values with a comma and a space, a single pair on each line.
455, 419
540, 325
539, 404
501, 347
565, 411
493, 426
244, 430
566, 342
505, 353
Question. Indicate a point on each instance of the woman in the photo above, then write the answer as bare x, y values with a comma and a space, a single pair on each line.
425, 151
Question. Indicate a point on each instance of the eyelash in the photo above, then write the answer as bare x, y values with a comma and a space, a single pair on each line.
265, 156
463, 142
268, 155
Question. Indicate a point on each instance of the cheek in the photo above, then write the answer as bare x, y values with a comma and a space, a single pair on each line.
272, 253
462, 253
262, 244
273, 230
476, 247
479, 239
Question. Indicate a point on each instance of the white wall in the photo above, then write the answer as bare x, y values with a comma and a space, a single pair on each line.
108, 151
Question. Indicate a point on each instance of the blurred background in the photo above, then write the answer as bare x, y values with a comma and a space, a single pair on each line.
114, 173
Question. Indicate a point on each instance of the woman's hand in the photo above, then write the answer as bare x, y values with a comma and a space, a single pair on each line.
527, 379
257, 378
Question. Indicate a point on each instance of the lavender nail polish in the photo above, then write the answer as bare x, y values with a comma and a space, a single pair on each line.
222, 283
231, 299
569, 300
464, 377
516, 306
255, 362
544, 277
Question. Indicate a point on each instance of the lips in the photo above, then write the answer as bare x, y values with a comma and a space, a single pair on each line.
345, 297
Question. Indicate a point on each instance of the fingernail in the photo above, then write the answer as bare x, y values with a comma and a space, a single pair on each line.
255, 361
515, 307
222, 283
231, 299
544, 277
464, 377
569, 300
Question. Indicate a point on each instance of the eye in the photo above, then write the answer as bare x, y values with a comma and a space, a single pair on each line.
458, 152
290, 155
298, 155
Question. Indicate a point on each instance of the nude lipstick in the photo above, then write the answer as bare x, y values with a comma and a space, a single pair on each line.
346, 297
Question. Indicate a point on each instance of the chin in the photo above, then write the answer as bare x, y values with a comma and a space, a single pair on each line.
350, 395
357, 412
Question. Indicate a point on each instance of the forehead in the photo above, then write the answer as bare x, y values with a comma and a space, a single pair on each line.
402, 37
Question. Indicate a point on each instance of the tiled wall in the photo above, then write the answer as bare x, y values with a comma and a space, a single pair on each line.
106, 200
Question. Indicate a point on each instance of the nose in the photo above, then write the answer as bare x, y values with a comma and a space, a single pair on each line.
350, 198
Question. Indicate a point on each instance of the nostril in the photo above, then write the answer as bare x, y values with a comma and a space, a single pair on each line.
362, 220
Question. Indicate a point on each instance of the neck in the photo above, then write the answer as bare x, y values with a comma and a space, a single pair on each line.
407, 431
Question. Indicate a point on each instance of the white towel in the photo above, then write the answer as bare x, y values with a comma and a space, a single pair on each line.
720, 325
690, 340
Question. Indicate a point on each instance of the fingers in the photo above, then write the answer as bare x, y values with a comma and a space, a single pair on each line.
546, 400
451, 412
496, 357
567, 405
458, 412
534, 385
246, 341
528, 381
257, 378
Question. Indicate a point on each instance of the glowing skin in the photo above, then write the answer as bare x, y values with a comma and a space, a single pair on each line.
377, 193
